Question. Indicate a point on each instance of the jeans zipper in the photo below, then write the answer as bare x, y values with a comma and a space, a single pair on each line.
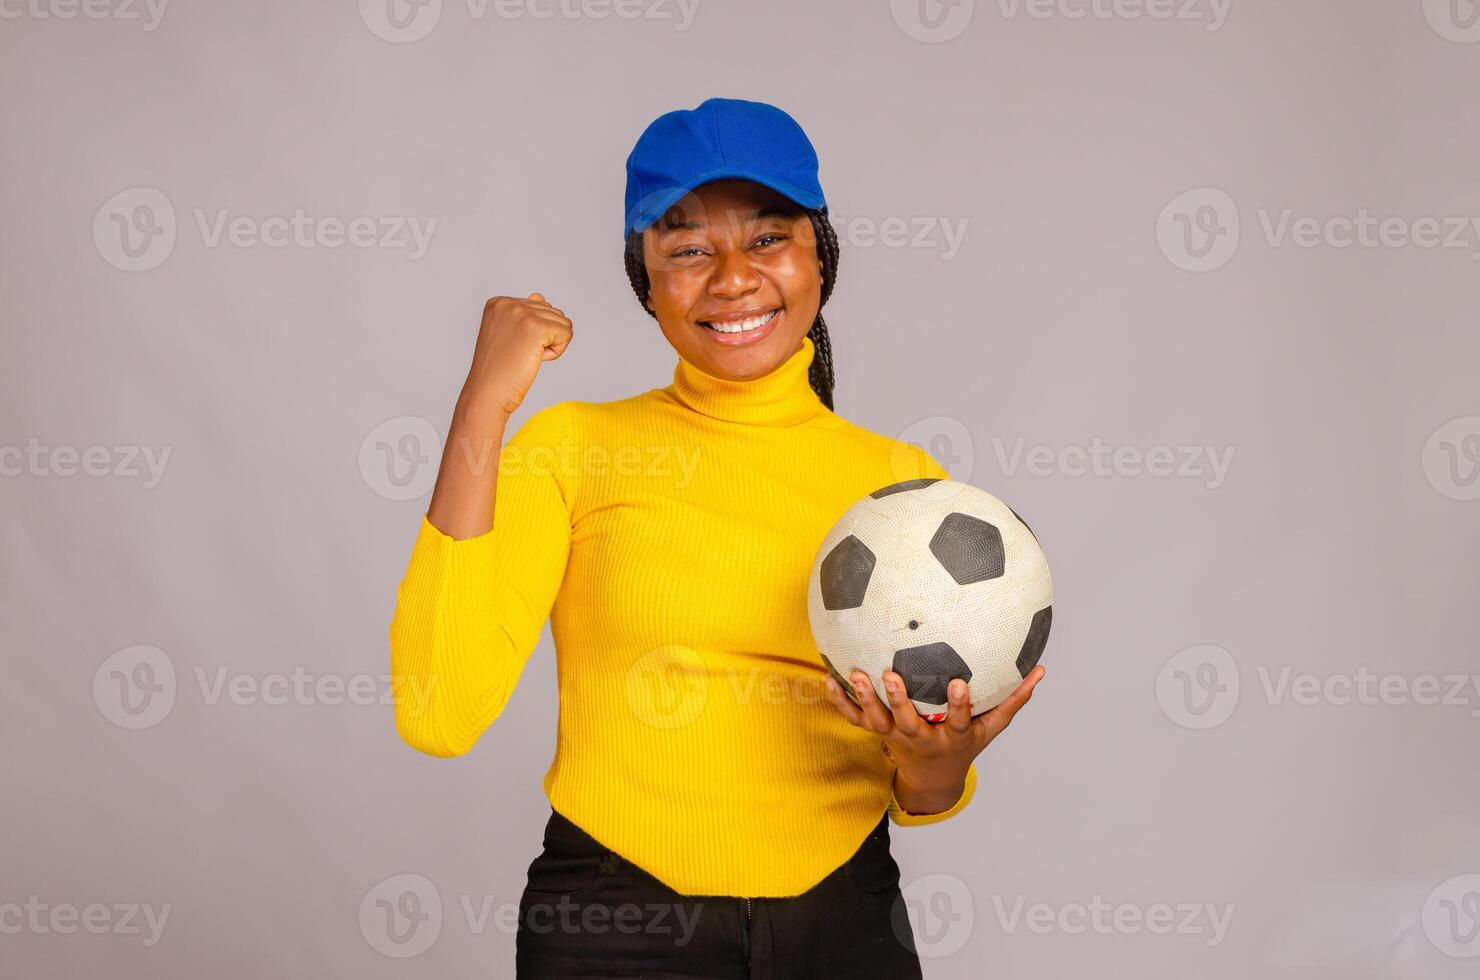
745, 931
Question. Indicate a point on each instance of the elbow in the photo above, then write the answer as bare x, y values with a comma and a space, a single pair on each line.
443, 703
420, 720
431, 725
424, 735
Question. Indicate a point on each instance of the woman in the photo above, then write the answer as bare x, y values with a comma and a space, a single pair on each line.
710, 817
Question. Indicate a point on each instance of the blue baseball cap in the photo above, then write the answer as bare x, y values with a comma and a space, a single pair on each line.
720, 138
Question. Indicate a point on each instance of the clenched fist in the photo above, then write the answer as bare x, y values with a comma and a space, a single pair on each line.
515, 338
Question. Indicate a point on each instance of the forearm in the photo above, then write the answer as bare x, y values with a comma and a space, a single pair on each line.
463, 498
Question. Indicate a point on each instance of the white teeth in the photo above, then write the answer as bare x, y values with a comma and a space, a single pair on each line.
740, 326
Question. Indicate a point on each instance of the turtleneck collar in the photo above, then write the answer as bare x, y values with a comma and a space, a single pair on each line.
781, 398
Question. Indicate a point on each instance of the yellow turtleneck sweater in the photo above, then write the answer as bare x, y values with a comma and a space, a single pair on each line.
668, 537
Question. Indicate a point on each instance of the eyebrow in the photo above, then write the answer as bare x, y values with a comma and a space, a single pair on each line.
770, 212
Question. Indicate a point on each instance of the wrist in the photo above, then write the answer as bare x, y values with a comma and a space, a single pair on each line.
478, 408
923, 796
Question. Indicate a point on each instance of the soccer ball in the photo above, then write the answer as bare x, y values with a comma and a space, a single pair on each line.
933, 579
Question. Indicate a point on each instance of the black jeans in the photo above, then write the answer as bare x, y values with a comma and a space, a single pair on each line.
589, 912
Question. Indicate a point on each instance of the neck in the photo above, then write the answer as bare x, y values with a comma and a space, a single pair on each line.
780, 398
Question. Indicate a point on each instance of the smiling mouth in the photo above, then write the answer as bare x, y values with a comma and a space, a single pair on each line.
740, 326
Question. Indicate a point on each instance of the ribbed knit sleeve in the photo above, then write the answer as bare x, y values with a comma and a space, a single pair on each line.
469, 612
896, 813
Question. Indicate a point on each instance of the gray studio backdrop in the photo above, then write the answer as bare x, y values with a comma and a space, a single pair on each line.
1191, 284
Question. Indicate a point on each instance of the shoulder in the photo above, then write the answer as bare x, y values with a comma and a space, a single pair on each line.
580, 422
601, 421
906, 459
545, 426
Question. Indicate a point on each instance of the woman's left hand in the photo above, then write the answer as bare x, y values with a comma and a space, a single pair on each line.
931, 759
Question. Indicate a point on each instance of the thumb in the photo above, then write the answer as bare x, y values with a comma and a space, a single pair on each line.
538, 297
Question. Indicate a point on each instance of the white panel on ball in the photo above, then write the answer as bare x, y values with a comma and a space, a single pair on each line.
934, 579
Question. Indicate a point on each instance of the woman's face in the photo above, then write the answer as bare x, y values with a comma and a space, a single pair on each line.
734, 251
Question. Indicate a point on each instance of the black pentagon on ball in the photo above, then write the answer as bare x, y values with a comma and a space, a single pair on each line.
903, 485
845, 573
1023, 523
1027, 658
927, 670
969, 548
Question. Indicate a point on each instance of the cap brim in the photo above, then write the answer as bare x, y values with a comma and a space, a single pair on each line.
655, 206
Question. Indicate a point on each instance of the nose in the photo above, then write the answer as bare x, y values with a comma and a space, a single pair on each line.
734, 275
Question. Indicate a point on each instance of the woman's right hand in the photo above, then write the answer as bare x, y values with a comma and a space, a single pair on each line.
514, 339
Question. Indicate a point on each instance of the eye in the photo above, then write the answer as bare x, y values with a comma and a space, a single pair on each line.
685, 252
774, 238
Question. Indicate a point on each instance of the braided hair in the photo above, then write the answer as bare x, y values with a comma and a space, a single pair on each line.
821, 372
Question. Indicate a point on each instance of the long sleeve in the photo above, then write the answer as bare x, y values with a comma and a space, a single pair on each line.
469, 612
897, 814
671, 559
